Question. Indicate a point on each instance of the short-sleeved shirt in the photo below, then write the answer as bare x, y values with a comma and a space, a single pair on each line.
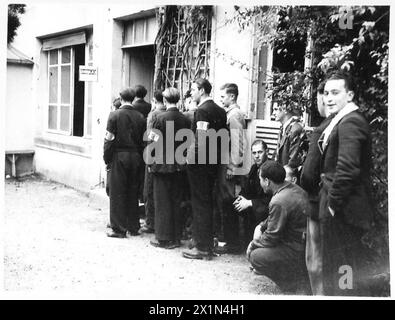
128, 125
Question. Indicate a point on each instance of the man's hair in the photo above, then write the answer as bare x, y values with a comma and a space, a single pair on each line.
141, 91
127, 94
293, 111
290, 109
205, 84
158, 96
273, 170
172, 95
342, 75
117, 103
261, 142
231, 88
321, 87
293, 171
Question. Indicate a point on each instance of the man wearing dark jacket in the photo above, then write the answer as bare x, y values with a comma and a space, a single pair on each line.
253, 203
277, 249
204, 159
149, 206
139, 103
169, 176
125, 128
309, 181
144, 108
345, 204
287, 151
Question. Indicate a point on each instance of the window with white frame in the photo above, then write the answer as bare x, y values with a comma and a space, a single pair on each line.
60, 69
69, 100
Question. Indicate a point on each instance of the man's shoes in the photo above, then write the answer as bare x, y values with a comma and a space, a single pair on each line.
147, 229
195, 253
132, 233
158, 243
256, 271
227, 249
108, 226
165, 244
174, 244
114, 234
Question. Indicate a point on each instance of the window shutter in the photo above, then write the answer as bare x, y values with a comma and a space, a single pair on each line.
267, 131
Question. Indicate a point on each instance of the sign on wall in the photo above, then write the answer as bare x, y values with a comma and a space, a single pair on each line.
87, 73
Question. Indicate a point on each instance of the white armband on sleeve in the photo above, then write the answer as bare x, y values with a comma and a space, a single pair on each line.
153, 136
109, 136
202, 125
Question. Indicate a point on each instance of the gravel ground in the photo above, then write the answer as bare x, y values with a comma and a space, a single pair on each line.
55, 245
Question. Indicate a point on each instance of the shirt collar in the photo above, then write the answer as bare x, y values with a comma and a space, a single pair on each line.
125, 105
172, 109
287, 123
204, 100
285, 185
232, 107
350, 107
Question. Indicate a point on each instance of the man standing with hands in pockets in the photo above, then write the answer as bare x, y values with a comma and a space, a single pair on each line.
345, 205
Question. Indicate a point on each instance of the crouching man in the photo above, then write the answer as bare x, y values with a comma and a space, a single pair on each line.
278, 247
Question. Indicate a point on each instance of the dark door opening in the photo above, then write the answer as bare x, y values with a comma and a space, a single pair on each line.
79, 92
141, 68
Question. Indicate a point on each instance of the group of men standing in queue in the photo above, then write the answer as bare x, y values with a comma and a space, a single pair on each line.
303, 222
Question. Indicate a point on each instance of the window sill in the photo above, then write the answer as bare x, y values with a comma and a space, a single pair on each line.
79, 146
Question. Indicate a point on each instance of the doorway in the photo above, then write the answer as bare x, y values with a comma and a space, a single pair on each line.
141, 68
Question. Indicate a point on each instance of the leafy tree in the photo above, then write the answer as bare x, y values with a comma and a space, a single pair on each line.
362, 50
14, 12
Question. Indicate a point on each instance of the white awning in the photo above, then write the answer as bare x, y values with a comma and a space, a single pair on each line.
66, 40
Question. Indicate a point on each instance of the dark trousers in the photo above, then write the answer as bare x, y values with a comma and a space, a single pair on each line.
201, 180
249, 222
149, 204
283, 265
226, 196
168, 195
342, 254
141, 184
108, 171
124, 188
342, 251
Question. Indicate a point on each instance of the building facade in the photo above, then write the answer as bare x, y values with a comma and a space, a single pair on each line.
85, 54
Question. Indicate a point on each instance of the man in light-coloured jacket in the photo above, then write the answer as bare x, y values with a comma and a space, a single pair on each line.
229, 178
